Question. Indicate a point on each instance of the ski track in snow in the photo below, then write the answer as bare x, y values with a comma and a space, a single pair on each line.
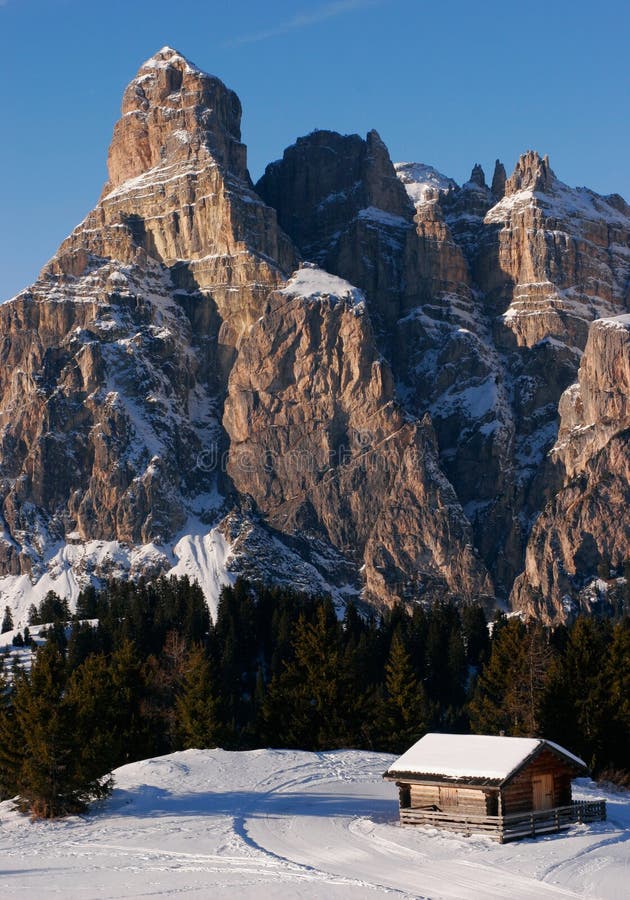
283, 823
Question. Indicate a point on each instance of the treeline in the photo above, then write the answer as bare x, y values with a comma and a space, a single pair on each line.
141, 671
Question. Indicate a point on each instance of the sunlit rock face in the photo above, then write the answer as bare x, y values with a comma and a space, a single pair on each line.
355, 377
482, 304
584, 530
115, 362
320, 442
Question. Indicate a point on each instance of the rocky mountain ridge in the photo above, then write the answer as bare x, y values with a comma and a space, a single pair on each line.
182, 392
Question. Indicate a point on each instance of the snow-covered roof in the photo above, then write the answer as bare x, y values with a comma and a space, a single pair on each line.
472, 756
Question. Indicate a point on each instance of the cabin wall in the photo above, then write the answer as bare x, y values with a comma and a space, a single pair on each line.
518, 794
452, 797
425, 795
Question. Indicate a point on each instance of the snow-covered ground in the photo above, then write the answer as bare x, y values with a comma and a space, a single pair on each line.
282, 823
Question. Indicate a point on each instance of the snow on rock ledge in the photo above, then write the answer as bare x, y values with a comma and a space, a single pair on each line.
423, 183
313, 283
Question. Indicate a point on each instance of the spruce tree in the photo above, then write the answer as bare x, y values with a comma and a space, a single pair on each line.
7, 621
132, 727
475, 634
91, 701
11, 741
197, 708
53, 609
55, 777
405, 710
314, 704
488, 709
576, 706
617, 680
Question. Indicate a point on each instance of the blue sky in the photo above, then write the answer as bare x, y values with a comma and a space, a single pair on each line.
450, 84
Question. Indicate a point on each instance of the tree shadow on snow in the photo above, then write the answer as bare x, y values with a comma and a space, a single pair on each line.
152, 802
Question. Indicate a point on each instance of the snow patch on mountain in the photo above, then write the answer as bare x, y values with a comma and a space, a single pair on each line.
203, 554
622, 322
204, 558
422, 182
563, 202
313, 283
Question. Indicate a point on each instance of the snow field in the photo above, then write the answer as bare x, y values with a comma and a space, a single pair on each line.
284, 823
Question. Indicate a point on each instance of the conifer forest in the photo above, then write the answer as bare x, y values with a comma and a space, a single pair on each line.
140, 670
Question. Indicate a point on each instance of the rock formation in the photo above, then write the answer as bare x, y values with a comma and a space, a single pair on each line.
181, 392
584, 530
115, 362
319, 441
485, 315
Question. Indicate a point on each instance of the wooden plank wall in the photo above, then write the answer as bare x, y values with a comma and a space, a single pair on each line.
451, 797
518, 795
425, 795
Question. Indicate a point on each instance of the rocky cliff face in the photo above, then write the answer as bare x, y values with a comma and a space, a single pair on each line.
115, 362
584, 530
179, 392
490, 292
319, 440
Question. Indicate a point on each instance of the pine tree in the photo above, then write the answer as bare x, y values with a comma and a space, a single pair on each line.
475, 633
7, 622
617, 679
53, 609
87, 604
11, 743
313, 704
91, 701
528, 678
405, 716
55, 777
576, 699
197, 707
488, 709
133, 728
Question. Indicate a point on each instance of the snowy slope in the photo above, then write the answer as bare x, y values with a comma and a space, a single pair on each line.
281, 823
422, 182
200, 552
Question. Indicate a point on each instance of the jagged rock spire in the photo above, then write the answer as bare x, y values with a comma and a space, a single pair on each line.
498, 180
532, 172
477, 176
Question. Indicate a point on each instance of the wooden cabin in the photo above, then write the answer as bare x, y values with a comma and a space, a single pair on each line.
504, 787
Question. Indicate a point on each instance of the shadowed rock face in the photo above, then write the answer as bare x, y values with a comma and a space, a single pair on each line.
320, 442
585, 528
385, 434
339, 199
482, 307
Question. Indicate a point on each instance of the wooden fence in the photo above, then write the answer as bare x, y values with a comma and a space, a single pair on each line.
510, 827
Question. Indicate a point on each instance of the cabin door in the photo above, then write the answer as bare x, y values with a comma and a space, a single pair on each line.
543, 791
449, 797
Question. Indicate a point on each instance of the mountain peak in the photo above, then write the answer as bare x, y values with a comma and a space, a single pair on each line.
498, 180
168, 56
532, 172
173, 111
